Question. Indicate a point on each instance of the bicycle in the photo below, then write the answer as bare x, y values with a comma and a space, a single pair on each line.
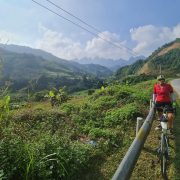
163, 150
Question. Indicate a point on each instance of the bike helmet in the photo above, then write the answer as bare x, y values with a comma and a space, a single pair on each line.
160, 77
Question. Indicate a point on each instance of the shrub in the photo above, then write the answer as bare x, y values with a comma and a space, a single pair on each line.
122, 115
39, 96
104, 103
101, 133
91, 91
70, 108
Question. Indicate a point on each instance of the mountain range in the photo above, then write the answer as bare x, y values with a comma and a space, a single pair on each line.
109, 63
95, 69
23, 66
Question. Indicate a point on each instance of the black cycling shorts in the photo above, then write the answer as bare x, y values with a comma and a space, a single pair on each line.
160, 105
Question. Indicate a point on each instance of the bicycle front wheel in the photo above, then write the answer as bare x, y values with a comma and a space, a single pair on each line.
164, 156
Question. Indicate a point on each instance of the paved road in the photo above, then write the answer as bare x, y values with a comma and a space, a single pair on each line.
176, 144
176, 85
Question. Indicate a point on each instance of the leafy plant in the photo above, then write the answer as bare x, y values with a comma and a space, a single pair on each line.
57, 97
4, 109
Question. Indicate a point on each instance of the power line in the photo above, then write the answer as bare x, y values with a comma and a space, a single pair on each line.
79, 19
64, 18
99, 31
94, 34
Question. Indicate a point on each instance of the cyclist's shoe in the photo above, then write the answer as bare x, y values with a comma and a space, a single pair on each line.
158, 127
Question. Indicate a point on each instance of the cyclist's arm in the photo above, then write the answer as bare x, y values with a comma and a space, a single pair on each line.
173, 98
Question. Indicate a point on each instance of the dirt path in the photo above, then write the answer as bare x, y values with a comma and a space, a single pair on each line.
148, 166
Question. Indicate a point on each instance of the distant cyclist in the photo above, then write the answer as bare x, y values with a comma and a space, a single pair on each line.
163, 95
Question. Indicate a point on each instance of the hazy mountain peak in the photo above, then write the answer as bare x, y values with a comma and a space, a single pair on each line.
109, 63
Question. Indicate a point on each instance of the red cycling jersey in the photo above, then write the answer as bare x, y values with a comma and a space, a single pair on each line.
163, 92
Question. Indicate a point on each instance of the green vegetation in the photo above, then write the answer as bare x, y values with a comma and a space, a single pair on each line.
41, 142
57, 97
134, 79
176, 168
130, 69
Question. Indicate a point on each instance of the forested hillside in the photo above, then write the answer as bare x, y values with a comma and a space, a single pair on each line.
24, 71
166, 57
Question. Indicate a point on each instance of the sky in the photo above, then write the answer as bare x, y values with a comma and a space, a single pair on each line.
125, 27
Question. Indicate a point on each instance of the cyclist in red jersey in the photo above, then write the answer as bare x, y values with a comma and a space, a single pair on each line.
163, 96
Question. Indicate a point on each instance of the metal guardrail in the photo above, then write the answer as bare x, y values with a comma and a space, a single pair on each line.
128, 163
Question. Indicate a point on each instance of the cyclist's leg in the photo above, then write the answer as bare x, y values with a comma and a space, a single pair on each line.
158, 107
170, 116
170, 120
159, 111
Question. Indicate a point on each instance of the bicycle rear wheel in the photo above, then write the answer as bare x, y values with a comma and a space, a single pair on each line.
164, 156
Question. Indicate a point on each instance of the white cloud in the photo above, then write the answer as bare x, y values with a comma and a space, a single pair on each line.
58, 44
100, 46
7, 36
176, 31
150, 37
66, 48
147, 39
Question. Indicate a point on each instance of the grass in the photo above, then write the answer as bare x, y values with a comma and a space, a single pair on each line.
104, 168
80, 93
79, 100
177, 144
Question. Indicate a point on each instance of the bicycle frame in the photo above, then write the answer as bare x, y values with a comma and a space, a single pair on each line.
164, 146
164, 155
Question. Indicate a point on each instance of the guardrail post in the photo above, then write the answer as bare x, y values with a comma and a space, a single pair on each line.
139, 123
